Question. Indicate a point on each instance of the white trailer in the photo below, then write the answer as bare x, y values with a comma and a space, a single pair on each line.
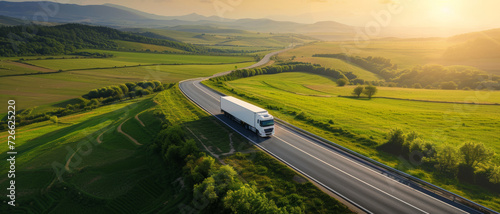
251, 117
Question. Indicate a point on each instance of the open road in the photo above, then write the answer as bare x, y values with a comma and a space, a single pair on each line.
369, 188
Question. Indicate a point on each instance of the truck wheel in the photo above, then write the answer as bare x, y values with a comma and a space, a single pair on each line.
257, 132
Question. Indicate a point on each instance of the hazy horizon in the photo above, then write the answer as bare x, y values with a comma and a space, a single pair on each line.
458, 14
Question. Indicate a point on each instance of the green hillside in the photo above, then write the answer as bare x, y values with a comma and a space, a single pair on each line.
67, 38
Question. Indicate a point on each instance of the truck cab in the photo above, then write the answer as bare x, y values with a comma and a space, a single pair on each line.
265, 124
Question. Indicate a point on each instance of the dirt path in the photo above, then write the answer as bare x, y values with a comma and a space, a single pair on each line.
66, 166
32, 67
119, 129
137, 118
232, 150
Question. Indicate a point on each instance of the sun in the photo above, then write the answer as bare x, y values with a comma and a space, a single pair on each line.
444, 12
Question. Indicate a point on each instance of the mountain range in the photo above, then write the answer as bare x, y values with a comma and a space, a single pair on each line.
120, 17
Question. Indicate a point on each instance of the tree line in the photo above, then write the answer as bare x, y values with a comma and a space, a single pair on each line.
469, 163
285, 67
67, 38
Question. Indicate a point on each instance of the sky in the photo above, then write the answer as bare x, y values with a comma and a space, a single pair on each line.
471, 14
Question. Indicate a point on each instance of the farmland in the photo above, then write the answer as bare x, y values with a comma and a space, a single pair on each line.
122, 59
37, 90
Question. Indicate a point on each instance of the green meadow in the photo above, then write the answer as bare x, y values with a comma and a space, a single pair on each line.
318, 97
106, 172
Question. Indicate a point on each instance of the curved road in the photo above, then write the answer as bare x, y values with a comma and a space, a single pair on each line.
370, 189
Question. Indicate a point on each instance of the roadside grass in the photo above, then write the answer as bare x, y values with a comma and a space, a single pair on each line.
372, 119
122, 59
49, 90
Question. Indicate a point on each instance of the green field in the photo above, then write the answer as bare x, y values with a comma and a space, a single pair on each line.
405, 52
111, 175
39, 90
437, 122
122, 59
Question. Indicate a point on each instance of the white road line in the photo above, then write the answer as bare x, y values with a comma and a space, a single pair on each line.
352, 176
195, 85
337, 154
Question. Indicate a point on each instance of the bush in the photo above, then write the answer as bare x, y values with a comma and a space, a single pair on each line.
342, 82
448, 85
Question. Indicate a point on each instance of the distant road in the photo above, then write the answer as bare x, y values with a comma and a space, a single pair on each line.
369, 188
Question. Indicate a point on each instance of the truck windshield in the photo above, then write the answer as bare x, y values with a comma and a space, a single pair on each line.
265, 123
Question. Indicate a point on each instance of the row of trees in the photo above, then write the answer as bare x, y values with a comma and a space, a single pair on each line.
130, 90
369, 91
438, 76
67, 38
215, 188
471, 162
286, 67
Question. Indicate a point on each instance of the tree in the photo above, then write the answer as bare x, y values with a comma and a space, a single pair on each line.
475, 153
495, 175
341, 82
449, 85
247, 200
358, 91
447, 159
416, 85
370, 91
54, 119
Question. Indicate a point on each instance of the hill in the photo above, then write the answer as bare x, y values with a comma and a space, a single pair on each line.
9, 21
67, 38
476, 45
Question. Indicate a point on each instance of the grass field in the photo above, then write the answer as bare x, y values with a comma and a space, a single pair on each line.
119, 174
121, 59
405, 52
436, 122
39, 90
8, 68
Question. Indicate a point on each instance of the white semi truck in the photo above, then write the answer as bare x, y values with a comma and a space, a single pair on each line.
253, 118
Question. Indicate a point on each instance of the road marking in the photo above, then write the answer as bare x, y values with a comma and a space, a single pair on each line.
195, 85
337, 154
352, 176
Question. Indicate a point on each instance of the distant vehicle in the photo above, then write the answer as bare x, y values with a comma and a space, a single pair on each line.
253, 118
